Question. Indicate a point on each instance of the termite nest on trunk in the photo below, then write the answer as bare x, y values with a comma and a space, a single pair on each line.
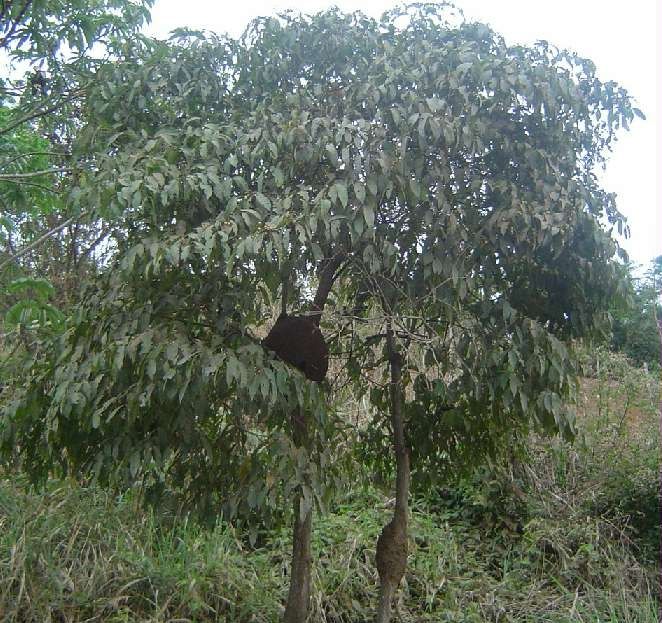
297, 340
391, 556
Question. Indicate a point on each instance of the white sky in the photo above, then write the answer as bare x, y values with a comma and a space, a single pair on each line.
619, 37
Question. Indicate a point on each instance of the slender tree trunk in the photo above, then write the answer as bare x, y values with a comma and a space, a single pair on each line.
386, 594
391, 555
298, 597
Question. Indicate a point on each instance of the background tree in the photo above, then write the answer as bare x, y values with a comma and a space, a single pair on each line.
35, 208
54, 52
634, 328
428, 191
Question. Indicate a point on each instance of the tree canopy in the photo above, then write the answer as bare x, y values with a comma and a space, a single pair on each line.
448, 180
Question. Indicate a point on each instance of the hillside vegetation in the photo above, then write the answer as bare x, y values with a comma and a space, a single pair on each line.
562, 533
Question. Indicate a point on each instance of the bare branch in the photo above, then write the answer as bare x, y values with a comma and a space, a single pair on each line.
327, 277
28, 154
13, 176
42, 239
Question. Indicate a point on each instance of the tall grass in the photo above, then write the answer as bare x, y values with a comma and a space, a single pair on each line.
567, 535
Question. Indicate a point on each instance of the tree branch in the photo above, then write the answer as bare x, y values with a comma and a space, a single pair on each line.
28, 154
327, 276
13, 176
17, 21
35, 112
47, 189
94, 245
41, 240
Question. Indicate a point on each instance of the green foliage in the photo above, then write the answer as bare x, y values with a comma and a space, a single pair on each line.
582, 547
58, 47
39, 30
634, 328
620, 409
102, 556
78, 552
33, 310
53, 51
173, 397
23, 151
453, 175
29, 318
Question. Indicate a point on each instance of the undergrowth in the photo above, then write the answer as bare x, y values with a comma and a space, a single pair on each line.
568, 533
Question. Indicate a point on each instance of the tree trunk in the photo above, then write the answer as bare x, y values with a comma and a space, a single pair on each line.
391, 555
386, 593
298, 596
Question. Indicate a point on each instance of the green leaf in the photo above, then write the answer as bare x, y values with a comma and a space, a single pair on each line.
359, 192
415, 186
369, 216
279, 177
42, 287
331, 154
341, 189
263, 202
434, 104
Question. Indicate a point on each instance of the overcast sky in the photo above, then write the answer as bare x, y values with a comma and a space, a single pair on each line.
620, 37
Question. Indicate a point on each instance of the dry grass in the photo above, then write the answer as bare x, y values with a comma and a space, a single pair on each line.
567, 536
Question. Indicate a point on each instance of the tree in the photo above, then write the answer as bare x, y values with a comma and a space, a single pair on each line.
428, 195
54, 51
634, 328
34, 30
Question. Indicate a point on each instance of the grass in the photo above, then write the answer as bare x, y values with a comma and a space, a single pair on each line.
568, 535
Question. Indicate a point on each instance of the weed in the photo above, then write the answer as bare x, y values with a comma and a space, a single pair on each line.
565, 536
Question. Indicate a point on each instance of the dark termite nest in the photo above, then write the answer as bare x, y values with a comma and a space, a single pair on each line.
298, 341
